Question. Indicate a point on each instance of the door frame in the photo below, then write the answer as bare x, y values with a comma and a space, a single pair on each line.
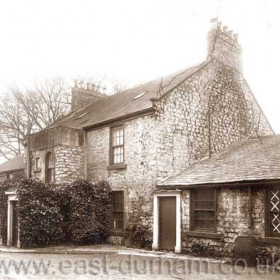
157, 195
11, 198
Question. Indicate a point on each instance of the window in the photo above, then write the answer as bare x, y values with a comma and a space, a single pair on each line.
117, 210
37, 164
117, 145
203, 210
273, 212
49, 168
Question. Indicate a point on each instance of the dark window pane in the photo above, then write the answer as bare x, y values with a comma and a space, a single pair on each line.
117, 142
117, 210
203, 205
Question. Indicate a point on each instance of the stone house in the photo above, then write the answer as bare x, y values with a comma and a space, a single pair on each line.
138, 138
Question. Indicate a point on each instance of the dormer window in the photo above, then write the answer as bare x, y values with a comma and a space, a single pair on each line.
50, 168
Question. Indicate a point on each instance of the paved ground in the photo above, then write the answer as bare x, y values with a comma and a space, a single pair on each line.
119, 263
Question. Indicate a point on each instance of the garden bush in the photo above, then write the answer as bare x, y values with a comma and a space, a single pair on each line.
138, 232
57, 213
39, 215
89, 208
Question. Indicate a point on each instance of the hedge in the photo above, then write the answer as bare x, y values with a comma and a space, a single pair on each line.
39, 215
53, 214
89, 212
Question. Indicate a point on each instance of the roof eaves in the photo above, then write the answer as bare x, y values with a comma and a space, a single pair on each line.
122, 118
11, 170
258, 182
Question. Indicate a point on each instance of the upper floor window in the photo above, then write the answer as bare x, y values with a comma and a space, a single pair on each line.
273, 212
117, 145
203, 209
50, 168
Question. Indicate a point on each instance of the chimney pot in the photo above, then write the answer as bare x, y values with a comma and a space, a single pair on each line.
235, 36
225, 28
230, 33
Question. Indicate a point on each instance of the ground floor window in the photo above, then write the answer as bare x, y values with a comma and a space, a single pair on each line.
273, 212
117, 210
203, 209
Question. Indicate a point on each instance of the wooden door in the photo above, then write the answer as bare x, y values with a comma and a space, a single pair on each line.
15, 224
167, 222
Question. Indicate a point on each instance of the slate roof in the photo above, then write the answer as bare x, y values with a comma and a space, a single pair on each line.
131, 101
12, 164
249, 160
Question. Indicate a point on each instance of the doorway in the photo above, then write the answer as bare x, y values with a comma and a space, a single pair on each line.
167, 223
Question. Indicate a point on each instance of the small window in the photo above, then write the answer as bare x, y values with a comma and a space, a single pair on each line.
203, 209
117, 145
273, 212
117, 210
50, 168
37, 163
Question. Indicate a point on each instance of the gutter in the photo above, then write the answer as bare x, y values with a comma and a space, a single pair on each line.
256, 183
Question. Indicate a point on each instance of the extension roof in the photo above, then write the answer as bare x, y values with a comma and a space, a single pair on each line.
249, 160
126, 103
12, 164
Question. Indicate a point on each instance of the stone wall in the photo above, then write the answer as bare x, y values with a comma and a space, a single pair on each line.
208, 112
67, 146
69, 163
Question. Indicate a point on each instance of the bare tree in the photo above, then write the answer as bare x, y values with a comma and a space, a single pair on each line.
31, 110
28, 111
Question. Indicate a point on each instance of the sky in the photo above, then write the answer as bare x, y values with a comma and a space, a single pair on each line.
135, 41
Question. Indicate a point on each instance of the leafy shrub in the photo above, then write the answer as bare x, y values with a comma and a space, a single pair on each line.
55, 213
197, 248
89, 208
139, 236
138, 232
39, 214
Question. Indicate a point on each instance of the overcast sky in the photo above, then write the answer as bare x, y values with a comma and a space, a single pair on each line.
135, 41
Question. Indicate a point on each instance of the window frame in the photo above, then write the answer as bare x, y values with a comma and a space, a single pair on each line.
113, 211
47, 168
111, 153
192, 211
37, 165
267, 206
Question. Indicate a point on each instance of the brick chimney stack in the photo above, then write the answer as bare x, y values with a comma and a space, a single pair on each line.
84, 94
223, 45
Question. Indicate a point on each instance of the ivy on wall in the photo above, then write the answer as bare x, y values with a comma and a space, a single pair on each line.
138, 232
89, 208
